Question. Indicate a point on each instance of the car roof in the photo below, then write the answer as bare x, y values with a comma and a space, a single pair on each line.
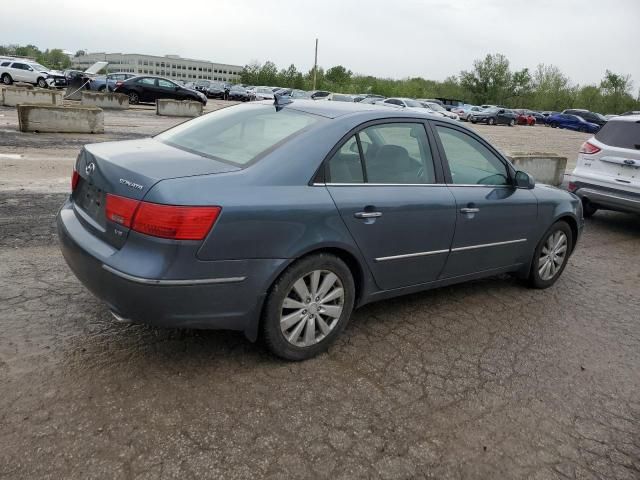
340, 109
625, 118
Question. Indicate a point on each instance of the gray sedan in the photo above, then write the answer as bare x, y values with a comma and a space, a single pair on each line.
279, 220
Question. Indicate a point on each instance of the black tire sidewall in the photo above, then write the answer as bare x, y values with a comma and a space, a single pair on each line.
5, 77
534, 277
135, 100
588, 209
41, 80
272, 334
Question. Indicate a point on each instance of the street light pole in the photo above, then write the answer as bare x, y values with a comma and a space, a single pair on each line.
315, 66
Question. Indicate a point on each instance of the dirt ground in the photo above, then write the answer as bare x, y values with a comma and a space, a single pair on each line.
487, 380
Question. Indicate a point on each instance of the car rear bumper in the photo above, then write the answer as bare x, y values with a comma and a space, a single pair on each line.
229, 297
608, 198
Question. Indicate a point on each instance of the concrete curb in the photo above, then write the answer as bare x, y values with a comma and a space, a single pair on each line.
177, 108
113, 101
58, 119
12, 96
544, 167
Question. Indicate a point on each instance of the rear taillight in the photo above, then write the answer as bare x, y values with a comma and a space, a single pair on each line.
588, 148
177, 222
75, 178
165, 221
121, 210
572, 187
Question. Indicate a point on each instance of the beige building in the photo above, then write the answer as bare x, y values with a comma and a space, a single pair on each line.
170, 66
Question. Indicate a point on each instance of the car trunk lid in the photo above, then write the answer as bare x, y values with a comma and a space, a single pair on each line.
129, 169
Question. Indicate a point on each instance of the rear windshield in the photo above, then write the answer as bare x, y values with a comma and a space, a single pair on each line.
238, 134
620, 134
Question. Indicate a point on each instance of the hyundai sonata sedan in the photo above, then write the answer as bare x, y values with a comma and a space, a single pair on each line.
279, 219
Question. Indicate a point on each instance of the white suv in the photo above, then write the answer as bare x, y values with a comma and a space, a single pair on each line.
607, 174
28, 71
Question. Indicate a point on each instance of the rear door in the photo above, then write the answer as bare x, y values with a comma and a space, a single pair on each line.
18, 72
388, 190
494, 220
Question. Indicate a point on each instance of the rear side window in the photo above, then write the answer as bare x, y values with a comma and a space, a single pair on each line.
392, 153
239, 134
620, 134
147, 81
4, 64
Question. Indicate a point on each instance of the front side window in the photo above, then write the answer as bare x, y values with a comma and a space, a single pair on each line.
165, 84
392, 153
470, 162
239, 134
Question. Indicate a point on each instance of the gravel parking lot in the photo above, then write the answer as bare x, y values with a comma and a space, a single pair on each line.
477, 381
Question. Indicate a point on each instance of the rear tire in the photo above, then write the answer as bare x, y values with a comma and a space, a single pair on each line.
512, 122
491, 121
588, 208
134, 99
6, 79
551, 255
295, 323
553, 125
102, 89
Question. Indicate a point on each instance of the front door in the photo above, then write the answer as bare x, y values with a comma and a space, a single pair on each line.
384, 184
494, 219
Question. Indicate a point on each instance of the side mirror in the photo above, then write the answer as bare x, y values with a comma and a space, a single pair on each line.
501, 111
524, 180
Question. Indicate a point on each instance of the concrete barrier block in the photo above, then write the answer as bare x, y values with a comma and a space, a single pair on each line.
115, 101
177, 108
545, 168
34, 96
52, 118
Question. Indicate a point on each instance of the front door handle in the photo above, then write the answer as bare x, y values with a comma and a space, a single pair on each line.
367, 214
469, 210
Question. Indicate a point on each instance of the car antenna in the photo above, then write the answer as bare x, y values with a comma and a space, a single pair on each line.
280, 100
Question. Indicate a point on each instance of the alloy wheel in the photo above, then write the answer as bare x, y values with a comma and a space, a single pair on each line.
42, 83
133, 98
312, 308
552, 255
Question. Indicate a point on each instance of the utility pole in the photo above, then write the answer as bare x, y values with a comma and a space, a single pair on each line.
315, 66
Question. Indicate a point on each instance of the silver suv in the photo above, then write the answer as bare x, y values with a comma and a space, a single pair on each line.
607, 175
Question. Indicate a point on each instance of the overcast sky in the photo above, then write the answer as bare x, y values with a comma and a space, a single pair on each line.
428, 38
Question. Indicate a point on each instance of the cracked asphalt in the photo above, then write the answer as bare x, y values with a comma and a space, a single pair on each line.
486, 380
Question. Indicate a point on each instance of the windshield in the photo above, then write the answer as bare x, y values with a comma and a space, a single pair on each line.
264, 90
412, 103
237, 134
436, 107
491, 110
39, 67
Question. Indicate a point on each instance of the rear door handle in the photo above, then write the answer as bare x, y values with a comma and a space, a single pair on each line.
469, 210
367, 214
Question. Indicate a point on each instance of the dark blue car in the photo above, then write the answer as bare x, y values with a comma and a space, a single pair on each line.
572, 122
281, 219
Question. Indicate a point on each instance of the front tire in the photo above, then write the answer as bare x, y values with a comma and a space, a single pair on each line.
512, 122
551, 255
491, 121
41, 83
308, 306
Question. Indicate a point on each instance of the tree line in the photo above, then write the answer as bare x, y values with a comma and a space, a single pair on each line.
490, 81
55, 58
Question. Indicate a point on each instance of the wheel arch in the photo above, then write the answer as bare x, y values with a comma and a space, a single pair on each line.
573, 225
357, 269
